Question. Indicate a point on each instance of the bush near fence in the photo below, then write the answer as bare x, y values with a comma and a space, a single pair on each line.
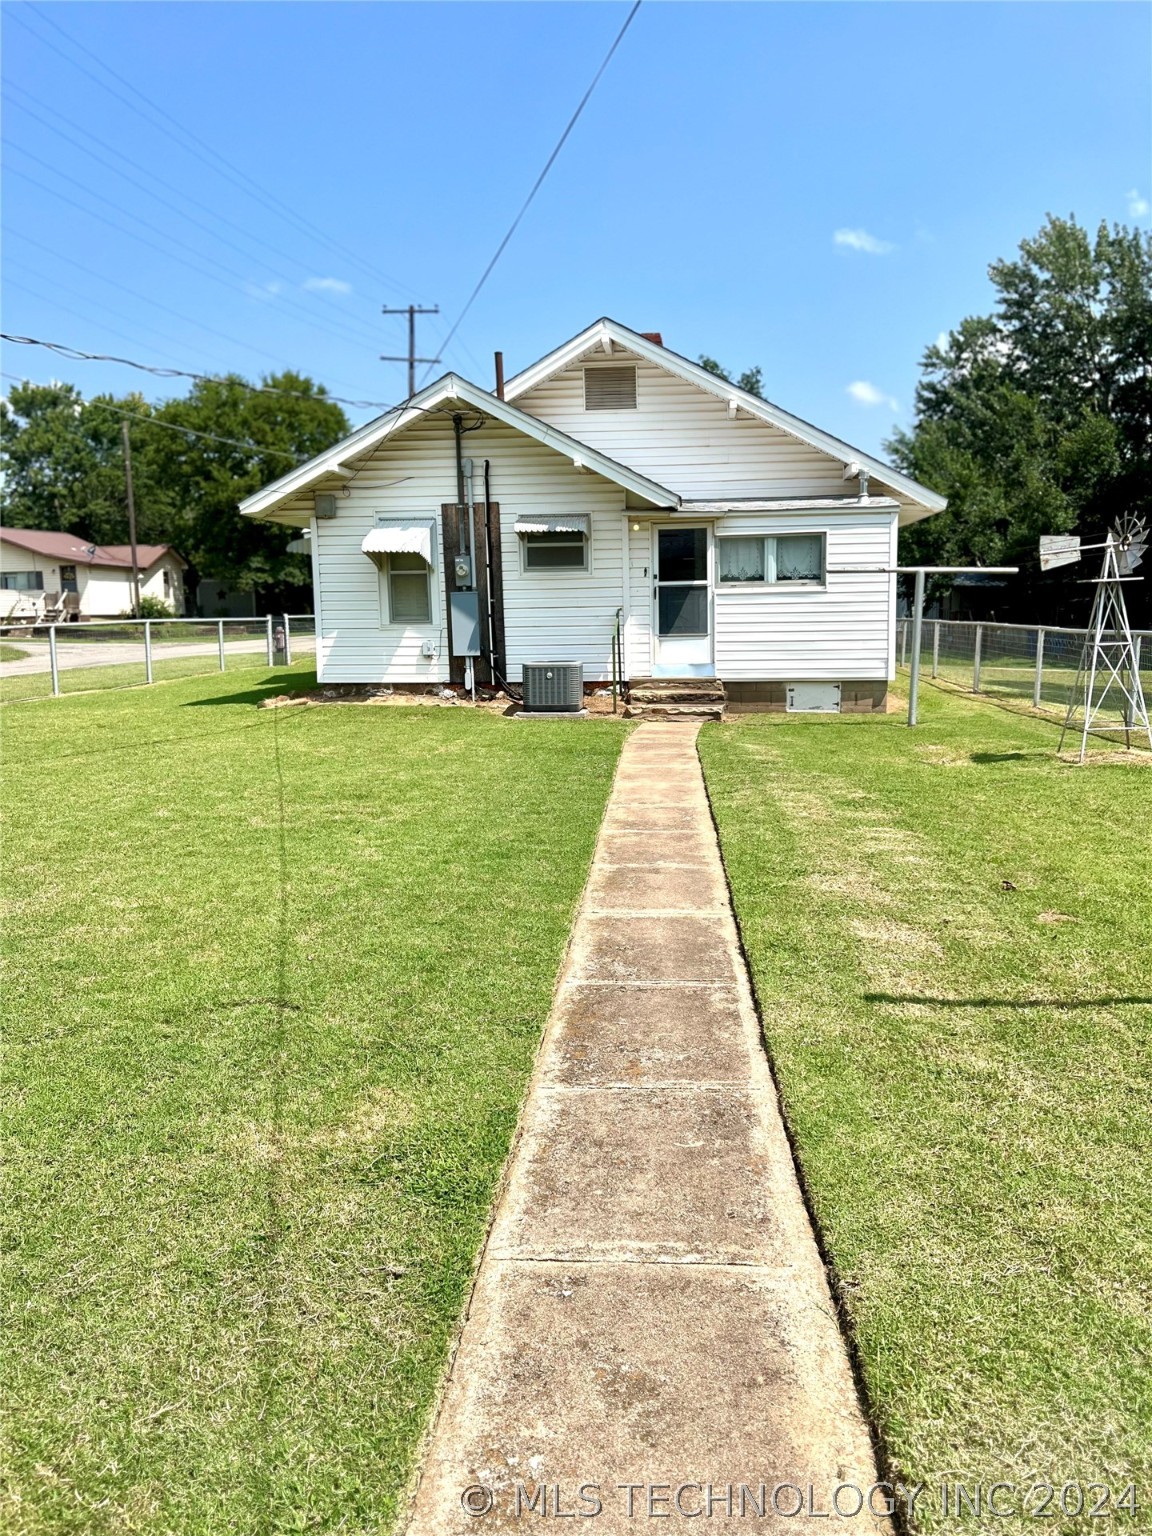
126, 653
1037, 664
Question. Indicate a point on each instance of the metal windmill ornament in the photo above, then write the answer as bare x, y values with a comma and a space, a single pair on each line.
1108, 676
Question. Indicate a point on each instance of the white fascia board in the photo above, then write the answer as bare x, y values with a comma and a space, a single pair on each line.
451, 387
796, 504
672, 362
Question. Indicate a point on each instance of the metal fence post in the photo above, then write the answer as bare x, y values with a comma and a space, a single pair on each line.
903, 642
52, 660
1039, 682
287, 641
271, 656
220, 641
976, 658
936, 649
147, 651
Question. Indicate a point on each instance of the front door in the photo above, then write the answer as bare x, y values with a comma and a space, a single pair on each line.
682, 599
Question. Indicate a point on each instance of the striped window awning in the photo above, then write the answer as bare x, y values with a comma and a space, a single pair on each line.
571, 523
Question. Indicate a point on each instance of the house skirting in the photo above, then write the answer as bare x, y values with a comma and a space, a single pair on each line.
856, 698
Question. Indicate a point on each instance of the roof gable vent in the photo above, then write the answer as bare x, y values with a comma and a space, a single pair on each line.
610, 388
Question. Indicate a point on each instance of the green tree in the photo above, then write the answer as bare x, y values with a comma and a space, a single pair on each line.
64, 469
751, 380
64, 466
1038, 418
286, 428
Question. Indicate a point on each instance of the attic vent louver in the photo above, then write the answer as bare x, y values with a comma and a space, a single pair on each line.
610, 388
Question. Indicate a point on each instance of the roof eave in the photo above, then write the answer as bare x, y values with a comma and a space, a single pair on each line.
663, 357
453, 387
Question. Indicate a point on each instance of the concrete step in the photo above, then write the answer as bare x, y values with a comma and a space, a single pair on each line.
664, 711
676, 690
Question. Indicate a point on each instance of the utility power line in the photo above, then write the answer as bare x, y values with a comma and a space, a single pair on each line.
140, 298
539, 182
339, 332
195, 146
76, 355
89, 139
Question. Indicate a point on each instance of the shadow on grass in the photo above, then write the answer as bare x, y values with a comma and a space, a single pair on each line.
268, 688
1004, 1002
1042, 755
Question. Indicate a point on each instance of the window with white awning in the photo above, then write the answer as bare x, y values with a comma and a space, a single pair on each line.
554, 543
404, 551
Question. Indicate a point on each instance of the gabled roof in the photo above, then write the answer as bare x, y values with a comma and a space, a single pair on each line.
452, 387
612, 332
76, 551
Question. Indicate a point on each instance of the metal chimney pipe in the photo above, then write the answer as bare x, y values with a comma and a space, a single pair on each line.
499, 375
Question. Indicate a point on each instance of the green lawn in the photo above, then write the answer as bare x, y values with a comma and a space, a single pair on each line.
274, 984
950, 933
11, 652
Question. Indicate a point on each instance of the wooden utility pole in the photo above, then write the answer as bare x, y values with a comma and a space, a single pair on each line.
411, 310
131, 517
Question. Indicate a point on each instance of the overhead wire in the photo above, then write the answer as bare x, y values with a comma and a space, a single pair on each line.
170, 426
62, 349
539, 182
91, 138
339, 331
143, 299
223, 167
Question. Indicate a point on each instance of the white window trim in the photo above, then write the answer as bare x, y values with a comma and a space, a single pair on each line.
554, 570
383, 576
770, 583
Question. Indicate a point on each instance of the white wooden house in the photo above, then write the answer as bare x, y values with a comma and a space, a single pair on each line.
612, 485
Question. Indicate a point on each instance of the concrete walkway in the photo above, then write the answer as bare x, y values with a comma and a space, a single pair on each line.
651, 1308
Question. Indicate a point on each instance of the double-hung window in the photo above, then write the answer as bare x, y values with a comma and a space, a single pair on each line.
409, 590
773, 559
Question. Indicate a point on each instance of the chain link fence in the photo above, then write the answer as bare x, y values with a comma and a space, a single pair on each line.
38, 662
1034, 664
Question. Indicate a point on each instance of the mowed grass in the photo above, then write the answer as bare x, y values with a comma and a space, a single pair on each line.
125, 674
950, 933
275, 981
11, 652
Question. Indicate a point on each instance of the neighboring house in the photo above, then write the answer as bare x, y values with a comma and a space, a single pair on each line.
34, 562
612, 483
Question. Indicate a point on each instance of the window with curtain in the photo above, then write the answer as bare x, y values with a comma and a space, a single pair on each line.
773, 558
409, 590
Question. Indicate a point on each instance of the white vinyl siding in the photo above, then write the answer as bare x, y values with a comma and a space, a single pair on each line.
549, 615
800, 631
682, 437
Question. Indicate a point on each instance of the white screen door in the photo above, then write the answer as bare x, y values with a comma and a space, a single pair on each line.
682, 602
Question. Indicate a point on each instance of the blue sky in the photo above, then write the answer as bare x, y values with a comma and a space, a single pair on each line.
815, 188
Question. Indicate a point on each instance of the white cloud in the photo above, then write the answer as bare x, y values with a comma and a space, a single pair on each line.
1138, 207
327, 285
265, 291
867, 394
861, 240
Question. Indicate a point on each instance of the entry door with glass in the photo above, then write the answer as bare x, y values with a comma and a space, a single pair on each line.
682, 598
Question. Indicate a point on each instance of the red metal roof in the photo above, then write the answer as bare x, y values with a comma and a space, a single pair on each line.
77, 551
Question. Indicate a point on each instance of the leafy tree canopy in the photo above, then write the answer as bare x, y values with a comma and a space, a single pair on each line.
64, 468
751, 380
1038, 418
